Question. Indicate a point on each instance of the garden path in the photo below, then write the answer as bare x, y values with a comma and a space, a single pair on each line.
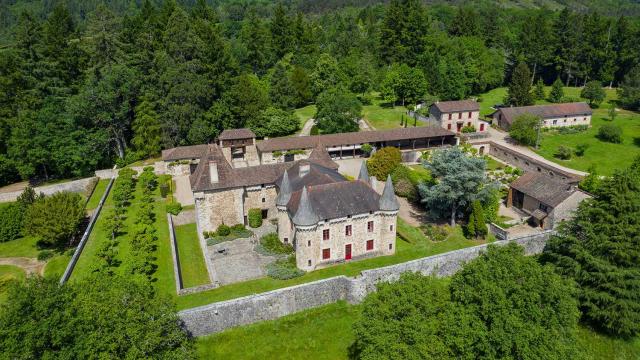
29, 265
306, 129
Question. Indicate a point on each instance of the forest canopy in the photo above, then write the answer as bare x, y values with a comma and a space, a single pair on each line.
84, 84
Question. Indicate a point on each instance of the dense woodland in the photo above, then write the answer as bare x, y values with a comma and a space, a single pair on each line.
85, 84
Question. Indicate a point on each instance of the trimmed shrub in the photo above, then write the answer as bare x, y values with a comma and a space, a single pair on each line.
270, 244
581, 148
223, 230
284, 269
383, 162
563, 153
238, 227
11, 221
174, 208
54, 220
610, 133
367, 149
255, 218
468, 129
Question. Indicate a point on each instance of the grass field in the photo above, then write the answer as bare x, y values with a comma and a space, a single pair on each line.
163, 277
326, 333
55, 266
8, 273
606, 157
192, 266
382, 115
94, 200
419, 247
22, 247
305, 114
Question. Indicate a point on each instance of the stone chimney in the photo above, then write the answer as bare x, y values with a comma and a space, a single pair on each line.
213, 172
303, 169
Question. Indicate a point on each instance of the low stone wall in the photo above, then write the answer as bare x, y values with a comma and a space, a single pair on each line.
274, 304
76, 186
159, 168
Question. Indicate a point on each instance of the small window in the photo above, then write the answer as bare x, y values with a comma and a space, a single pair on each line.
390, 246
390, 227
555, 122
264, 200
309, 262
326, 254
459, 115
369, 245
370, 226
265, 213
309, 243
448, 126
347, 230
286, 240
262, 186
449, 116
469, 114
325, 234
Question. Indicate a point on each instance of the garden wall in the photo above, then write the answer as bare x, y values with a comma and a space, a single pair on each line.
274, 304
76, 186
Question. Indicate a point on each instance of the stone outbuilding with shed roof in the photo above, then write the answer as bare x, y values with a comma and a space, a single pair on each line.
554, 115
547, 200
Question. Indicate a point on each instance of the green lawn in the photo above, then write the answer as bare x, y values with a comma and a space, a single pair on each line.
320, 333
55, 266
8, 273
326, 333
164, 277
605, 156
493, 164
382, 115
22, 247
419, 247
192, 266
305, 113
101, 186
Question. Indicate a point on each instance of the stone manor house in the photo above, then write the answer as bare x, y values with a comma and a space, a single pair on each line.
296, 184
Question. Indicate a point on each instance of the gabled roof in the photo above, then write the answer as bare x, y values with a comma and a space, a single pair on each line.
184, 152
543, 188
351, 138
456, 106
337, 200
236, 134
546, 111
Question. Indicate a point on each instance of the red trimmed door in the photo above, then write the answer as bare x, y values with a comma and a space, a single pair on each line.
347, 252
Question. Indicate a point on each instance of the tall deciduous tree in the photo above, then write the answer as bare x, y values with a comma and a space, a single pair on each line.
599, 249
524, 129
338, 111
629, 90
519, 92
405, 84
593, 92
326, 75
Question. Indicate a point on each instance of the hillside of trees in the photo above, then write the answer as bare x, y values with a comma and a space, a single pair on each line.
84, 85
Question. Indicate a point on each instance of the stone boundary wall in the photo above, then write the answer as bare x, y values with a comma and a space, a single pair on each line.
217, 317
85, 236
159, 168
525, 162
76, 186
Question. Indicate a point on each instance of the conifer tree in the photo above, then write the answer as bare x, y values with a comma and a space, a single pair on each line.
480, 224
599, 249
539, 91
146, 130
557, 93
519, 92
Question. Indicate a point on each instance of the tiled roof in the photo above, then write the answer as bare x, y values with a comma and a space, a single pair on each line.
543, 188
457, 106
229, 177
319, 155
184, 152
546, 111
308, 142
338, 199
236, 134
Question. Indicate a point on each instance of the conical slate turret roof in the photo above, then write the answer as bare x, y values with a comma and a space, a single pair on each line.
388, 201
364, 173
305, 216
285, 190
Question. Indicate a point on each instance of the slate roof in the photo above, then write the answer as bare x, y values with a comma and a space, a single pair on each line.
317, 175
543, 188
336, 200
364, 173
284, 193
456, 106
319, 155
305, 215
351, 138
388, 201
236, 134
184, 152
509, 114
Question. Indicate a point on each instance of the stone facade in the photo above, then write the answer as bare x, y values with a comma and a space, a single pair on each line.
268, 157
214, 208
